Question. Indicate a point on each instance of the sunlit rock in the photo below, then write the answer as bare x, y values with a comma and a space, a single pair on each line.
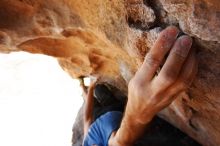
110, 39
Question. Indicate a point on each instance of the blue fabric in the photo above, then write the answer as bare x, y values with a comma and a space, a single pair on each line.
101, 130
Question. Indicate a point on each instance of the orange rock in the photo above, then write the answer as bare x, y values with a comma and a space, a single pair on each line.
97, 38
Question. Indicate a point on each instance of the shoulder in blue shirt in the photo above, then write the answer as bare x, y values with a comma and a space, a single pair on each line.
100, 131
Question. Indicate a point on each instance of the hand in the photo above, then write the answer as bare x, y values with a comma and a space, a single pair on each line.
81, 81
149, 93
93, 81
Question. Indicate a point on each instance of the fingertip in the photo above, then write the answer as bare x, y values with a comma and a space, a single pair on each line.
182, 46
172, 30
190, 68
167, 37
186, 41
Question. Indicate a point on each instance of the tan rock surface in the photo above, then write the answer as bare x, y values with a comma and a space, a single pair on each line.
110, 39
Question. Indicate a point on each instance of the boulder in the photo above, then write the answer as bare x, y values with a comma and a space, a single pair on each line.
110, 39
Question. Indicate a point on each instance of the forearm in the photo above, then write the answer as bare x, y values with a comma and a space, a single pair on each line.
89, 102
84, 94
88, 110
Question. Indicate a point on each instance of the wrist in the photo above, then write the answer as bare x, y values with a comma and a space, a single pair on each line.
125, 135
139, 115
132, 121
115, 141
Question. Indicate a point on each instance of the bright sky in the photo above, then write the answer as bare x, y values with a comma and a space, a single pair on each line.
38, 101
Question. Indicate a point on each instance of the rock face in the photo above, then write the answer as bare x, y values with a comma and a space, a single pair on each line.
110, 39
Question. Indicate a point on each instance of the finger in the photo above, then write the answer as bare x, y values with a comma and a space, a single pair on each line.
155, 56
167, 100
186, 77
170, 71
189, 69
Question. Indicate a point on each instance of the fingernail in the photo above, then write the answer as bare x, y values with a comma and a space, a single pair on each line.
172, 32
170, 36
185, 45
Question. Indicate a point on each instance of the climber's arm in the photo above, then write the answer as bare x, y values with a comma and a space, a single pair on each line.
88, 108
84, 88
149, 93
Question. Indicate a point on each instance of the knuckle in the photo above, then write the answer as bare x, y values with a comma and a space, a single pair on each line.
134, 84
152, 60
137, 81
186, 81
155, 100
169, 77
136, 88
185, 84
131, 84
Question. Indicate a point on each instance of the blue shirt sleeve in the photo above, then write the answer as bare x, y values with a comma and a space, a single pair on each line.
101, 130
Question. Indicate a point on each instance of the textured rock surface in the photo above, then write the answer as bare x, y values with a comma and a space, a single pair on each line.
77, 136
111, 38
